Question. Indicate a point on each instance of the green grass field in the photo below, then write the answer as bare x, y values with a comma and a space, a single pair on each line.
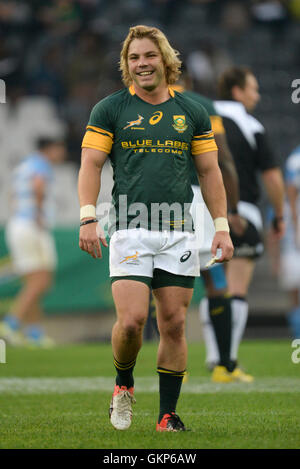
60, 399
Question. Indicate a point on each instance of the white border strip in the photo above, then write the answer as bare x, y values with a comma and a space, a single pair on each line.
146, 384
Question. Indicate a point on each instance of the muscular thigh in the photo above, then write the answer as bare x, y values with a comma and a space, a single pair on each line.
131, 299
172, 302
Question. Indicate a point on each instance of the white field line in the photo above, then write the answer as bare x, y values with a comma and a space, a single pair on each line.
146, 384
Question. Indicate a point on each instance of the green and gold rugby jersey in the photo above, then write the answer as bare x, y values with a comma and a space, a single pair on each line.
215, 119
150, 148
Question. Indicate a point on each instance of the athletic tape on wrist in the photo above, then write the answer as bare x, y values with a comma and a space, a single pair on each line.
221, 224
87, 211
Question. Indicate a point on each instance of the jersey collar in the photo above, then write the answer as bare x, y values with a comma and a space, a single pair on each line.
178, 88
132, 91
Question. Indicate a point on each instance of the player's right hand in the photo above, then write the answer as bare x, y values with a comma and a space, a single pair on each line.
90, 238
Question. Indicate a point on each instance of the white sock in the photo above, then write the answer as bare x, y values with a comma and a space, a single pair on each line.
211, 346
239, 308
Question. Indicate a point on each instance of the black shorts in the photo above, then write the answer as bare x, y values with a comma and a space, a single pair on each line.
250, 244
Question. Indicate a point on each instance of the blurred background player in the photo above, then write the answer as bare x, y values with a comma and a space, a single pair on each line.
217, 306
30, 243
252, 154
290, 245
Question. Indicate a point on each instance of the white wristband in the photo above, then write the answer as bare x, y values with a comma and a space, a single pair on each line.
87, 211
221, 224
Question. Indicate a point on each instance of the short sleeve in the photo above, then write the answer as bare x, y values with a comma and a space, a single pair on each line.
40, 168
217, 125
203, 140
266, 159
99, 131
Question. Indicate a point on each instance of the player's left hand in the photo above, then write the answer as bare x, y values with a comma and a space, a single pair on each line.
223, 242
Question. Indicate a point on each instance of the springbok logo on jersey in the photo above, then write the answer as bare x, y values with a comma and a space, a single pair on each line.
130, 258
179, 124
134, 123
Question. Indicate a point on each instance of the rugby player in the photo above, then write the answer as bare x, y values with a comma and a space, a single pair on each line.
247, 140
30, 242
290, 246
216, 307
150, 133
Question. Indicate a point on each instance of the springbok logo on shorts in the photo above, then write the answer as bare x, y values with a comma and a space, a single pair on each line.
131, 259
134, 123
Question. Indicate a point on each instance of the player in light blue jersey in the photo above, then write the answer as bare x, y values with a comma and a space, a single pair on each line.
24, 182
290, 245
30, 242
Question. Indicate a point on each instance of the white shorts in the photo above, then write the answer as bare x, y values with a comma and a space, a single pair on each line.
289, 276
31, 247
139, 252
204, 226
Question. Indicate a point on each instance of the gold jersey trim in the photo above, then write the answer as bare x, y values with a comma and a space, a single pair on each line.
203, 146
132, 91
217, 124
102, 131
97, 141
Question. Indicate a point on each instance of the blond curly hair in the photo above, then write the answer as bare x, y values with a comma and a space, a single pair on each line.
169, 55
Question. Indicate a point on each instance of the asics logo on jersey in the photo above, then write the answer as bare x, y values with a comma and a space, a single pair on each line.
130, 258
155, 118
132, 123
185, 256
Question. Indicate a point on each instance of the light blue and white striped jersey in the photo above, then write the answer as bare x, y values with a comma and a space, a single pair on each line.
292, 177
24, 203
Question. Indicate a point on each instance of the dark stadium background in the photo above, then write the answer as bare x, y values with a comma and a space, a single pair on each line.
58, 58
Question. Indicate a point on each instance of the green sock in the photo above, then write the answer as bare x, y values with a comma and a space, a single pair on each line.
220, 316
169, 389
124, 373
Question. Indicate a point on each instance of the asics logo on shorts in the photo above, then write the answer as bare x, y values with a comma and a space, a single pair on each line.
130, 258
185, 256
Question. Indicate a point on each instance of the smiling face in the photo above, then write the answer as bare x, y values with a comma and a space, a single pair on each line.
145, 64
